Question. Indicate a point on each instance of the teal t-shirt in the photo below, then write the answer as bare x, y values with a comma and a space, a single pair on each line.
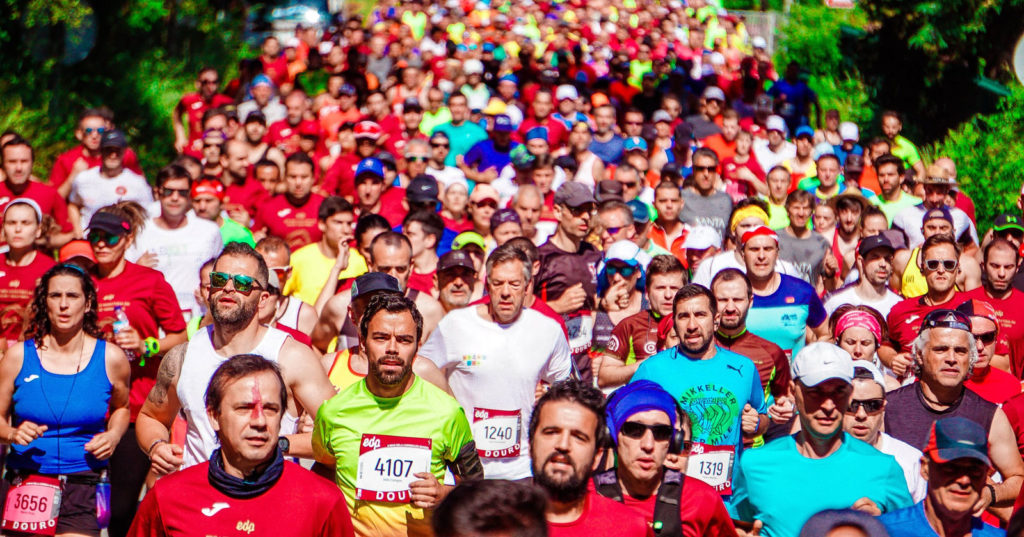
783, 316
782, 488
461, 138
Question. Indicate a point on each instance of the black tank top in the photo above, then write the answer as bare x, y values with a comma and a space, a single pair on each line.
909, 418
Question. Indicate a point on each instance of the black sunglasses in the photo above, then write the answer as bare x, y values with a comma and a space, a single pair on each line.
242, 283
168, 192
871, 406
439, 145
636, 430
949, 265
97, 236
626, 271
586, 208
705, 168
987, 338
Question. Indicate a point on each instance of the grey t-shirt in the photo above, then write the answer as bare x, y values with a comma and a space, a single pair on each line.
805, 254
712, 211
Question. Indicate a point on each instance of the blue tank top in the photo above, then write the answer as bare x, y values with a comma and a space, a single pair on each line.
73, 407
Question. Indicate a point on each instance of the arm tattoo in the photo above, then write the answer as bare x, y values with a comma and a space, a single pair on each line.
170, 366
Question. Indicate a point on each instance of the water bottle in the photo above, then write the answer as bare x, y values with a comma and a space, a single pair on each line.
120, 325
103, 501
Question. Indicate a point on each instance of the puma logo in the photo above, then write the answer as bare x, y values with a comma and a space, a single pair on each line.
216, 508
734, 368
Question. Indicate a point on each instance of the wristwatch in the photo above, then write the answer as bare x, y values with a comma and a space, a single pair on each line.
284, 445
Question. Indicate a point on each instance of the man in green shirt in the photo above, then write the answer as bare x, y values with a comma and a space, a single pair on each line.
390, 436
892, 125
462, 133
890, 180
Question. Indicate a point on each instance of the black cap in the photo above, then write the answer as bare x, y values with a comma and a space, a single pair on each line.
113, 138
825, 521
455, 258
371, 282
671, 169
412, 103
1007, 221
111, 223
422, 189
875, 241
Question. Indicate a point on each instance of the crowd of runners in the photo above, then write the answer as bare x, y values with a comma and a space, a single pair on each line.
508, 267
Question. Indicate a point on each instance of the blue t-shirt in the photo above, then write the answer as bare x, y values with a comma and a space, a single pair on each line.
609, 152
483, 155
911, 522
798, 96
782, 316
713, 392
842, 154
461, 138
782, 488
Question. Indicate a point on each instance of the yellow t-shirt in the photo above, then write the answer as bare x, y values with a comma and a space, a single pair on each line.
310, 269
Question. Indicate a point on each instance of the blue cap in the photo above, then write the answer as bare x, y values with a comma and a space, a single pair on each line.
640, 212
804, 130
503, 123
370, 165
261, 80
635, 143
635, 397
509, 78
372, 282
347, 89
536, 133
957, 438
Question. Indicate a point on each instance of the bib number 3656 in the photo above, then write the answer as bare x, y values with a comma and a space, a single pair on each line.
32, 506
388, 464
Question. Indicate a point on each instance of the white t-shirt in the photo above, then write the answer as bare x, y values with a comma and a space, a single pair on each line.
507, 187
493, 367
713, 265
909, 459
768, 159
179, 253
447, 176
910, 221
92, 191
848, 295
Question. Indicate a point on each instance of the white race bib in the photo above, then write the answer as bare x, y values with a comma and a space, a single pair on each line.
497, 432
712, 465
388, 464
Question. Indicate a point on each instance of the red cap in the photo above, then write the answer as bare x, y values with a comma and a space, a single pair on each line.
211, 187
760, 231
979, 308
76, 248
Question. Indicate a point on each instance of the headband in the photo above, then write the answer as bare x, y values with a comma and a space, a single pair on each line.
746, 212
860, 319
758, 232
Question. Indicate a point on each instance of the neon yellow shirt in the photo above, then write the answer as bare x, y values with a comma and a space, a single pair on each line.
310, 269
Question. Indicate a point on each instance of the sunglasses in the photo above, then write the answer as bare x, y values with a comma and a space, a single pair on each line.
871, 406
98, 130
946, 319
96, 237
632, 429
634, 122
242, 283
210, 82
486, 203
416, 159
987, 338
624, 271
439, 145
587, 208
705, 168
168, 192
614, 230
949, 265
631, 184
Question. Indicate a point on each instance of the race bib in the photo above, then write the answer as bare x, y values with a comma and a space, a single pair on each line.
388, 464
32, 506
712, 465
497, 432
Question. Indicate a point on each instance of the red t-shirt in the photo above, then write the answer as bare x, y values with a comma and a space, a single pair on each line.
248, 195
458, 226
723, 148
66, 161
151, 306
195, 107
49, 200
906, 316
17, 287
1011, 318
423, 282
276, 69
1014, 409
296, 225
340, 178
558, 135
299, 503
285, 136
702, 512
994, 385
603, 518
391, 207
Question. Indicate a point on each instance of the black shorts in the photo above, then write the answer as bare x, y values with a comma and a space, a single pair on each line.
77, 504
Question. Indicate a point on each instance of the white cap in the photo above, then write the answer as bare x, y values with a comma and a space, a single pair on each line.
292, 42
717, 58
775, 123
822, 361
849, 131
565, 91
661, 115
627, 251
714, 93
876, 374
759, 42
823, 148
702, 238
324, 48
473, 67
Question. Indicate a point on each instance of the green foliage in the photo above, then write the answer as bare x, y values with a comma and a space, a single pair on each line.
143, 58
986, 151
813, 36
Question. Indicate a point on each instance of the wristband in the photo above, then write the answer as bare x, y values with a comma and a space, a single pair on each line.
149, 452
992, 490
152, 346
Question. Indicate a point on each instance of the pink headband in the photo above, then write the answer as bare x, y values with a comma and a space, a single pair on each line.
860, 319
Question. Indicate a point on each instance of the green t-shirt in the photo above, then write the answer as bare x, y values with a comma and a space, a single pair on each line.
461, 138
892, 208
905, 150
432, 120
231, 231
355, 418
